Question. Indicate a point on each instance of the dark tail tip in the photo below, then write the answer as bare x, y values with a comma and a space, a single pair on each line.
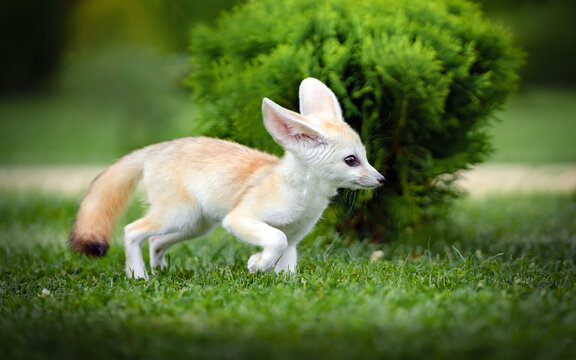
96, 249
91, 246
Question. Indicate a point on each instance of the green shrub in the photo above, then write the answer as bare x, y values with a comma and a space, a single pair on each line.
417, 79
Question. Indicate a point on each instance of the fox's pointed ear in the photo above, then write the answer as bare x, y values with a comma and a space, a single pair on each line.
317, 99
288, 128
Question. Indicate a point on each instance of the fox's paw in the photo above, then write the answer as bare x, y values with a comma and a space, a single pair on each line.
157, 264
157, 260
253, 262
135, 274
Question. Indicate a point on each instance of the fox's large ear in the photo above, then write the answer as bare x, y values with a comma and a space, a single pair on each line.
317, 99
288, 128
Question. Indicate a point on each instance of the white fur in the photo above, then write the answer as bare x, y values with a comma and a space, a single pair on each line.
196, 183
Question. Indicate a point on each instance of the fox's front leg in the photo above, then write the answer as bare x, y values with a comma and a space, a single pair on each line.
288, 260
256, 232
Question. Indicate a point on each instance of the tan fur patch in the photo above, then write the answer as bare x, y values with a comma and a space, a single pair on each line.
108, 195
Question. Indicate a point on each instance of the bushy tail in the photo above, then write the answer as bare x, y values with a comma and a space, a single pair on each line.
105, 201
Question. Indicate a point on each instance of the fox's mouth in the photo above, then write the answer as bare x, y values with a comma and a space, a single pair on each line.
368, 182
361, 186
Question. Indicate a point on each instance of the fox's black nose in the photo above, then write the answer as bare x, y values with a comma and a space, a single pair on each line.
380, 179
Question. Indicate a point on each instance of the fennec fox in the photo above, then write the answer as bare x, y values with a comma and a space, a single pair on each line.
194, 183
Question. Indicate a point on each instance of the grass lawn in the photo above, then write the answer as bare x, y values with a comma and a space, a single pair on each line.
496, 280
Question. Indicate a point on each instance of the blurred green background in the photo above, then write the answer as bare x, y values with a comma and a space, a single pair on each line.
88, 80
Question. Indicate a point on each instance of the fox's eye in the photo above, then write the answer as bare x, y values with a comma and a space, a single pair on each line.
351, 160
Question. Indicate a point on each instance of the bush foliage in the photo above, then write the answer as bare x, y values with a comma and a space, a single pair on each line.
417, 79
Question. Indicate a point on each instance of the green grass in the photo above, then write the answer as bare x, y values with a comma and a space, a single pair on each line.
496, 280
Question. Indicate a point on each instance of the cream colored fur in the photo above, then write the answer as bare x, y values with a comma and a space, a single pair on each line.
193, 184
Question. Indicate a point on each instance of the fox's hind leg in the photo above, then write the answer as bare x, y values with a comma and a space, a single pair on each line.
160, 244
134, 236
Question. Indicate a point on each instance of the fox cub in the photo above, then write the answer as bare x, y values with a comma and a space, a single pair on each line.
194, 183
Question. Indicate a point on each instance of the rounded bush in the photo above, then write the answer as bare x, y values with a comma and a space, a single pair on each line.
419, 81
